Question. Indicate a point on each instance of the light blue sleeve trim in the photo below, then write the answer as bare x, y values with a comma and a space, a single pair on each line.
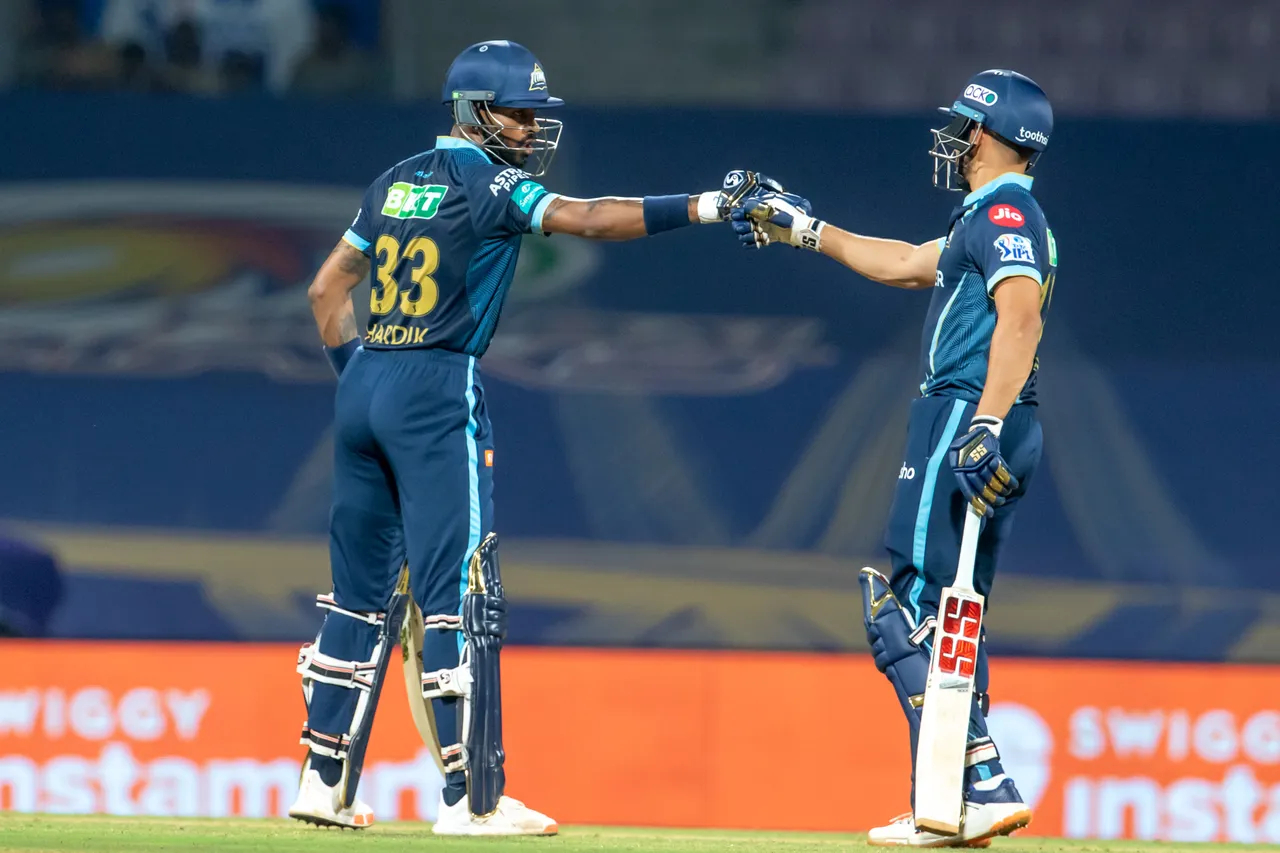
942, 243
535, 224
356, 240
1009, 272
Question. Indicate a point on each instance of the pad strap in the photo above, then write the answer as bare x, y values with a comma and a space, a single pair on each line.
327, 602
454, 757
316, 665
443, 622
334, 746
924, 632
980, 750
447, 682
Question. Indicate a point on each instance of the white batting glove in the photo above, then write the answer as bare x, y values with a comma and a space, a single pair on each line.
778, 218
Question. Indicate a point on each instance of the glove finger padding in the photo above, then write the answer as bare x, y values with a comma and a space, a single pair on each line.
768, 184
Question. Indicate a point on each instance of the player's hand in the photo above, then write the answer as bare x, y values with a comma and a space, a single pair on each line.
777, 218
979, 467
738, 185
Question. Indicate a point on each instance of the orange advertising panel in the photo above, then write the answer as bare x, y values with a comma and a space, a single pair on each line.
1183, 752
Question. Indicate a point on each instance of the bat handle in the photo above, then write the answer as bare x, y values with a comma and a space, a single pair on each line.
968, 548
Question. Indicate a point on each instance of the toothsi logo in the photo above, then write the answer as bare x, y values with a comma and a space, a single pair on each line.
981, 94
1025, 135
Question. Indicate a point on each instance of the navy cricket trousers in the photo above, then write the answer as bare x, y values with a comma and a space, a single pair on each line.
413, 481
413, 477
927, 517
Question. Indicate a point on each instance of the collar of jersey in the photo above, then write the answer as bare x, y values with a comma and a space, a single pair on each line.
991, 186
455, 142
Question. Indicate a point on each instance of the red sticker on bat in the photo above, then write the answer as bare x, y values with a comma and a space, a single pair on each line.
1006, 214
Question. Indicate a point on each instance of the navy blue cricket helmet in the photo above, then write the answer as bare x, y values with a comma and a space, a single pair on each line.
503, 74
1006, 104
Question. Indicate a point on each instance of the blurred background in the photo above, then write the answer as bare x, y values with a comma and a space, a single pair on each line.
696, 447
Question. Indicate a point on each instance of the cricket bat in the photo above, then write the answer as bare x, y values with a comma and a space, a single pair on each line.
948, 695
411, 635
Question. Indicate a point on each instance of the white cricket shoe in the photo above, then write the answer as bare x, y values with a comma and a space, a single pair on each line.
997, 810
511, 818
317, 804
902, 832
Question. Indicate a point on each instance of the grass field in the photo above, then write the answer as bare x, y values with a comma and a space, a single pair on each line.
117, 835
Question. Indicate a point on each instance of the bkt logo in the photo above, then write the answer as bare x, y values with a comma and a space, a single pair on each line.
907, 473
1025, 135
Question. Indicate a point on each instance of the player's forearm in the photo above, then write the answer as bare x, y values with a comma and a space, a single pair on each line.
607, 218
886, 261
614, 218
330, 294
337, 323
1009, 363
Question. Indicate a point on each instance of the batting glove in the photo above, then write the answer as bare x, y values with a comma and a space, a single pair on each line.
979, 467
777, 218
740, 184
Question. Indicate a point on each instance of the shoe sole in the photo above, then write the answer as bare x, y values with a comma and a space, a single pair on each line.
985, 841
325, 823
554, 830
1008, 826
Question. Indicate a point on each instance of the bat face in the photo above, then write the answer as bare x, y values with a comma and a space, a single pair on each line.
961, 623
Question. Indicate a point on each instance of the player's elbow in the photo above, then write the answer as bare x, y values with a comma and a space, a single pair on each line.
317, 292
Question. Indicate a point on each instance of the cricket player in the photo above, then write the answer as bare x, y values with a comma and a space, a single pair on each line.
973, 438
414, 454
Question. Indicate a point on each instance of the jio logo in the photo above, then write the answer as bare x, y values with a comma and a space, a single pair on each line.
1006, 214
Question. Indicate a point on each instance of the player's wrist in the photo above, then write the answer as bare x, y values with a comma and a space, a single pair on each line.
991, 422
806, 233
341, 355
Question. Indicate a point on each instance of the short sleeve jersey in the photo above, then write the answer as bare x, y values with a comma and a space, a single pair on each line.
997, 233
442, 230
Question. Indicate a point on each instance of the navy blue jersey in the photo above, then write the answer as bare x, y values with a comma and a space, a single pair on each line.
998, 232
443, 230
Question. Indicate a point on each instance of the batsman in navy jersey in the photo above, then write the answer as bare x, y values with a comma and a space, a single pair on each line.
439, 234
973, 438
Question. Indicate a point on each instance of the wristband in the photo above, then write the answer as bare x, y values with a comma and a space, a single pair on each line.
665, 212
340, 355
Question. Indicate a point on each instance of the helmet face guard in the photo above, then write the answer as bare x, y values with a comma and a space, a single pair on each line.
472, 111
951, 148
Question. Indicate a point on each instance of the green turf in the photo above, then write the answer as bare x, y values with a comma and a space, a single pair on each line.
118, 835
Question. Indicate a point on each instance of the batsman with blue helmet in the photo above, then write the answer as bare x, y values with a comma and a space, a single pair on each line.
992, 279
411, 530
